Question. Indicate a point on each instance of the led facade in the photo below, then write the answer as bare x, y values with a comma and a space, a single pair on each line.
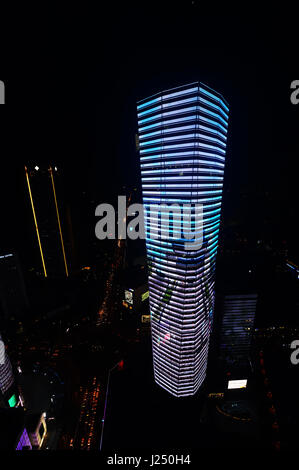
237, 327
182, 146
24, 441
6, 375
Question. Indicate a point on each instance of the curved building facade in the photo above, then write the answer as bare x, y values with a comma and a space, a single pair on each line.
182, 146
8, 391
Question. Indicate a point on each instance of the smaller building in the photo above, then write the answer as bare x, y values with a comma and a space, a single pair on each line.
13, 433
237, 327
134, 287
292, 268
36, 428
9, 393
13, 296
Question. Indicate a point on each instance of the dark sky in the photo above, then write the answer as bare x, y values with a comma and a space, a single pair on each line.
73, 77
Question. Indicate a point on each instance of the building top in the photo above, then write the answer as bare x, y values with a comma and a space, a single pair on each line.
2, 256
190, 87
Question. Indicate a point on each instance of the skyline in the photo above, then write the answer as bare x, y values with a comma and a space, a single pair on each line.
254, 77
180, 332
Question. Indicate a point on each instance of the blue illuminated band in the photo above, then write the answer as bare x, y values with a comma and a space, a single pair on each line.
182, 136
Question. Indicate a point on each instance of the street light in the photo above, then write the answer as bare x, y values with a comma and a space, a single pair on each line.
36, 168
120, 365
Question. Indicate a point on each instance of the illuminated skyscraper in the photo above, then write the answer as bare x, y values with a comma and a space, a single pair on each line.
237, 328
46, 212
9, 396
182, 145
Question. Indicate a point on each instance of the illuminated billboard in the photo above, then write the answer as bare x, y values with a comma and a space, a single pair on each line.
145, 318
233, 384
12, 401
145, 296
129, 296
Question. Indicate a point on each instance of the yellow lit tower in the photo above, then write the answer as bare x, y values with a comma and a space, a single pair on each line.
48, 216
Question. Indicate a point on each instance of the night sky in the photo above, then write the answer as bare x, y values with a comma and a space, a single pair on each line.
73, 78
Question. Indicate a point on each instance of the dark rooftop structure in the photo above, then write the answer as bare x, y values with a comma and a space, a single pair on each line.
12, 423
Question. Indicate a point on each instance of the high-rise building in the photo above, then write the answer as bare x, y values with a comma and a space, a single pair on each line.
9, 395
36, 428
13, 432
47, 218
13, 296
182, 146
134, 288
237, 328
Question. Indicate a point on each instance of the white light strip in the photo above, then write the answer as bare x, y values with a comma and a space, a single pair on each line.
181, 283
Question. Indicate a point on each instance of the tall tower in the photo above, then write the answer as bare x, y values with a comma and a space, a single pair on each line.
182, 146
41, 183
237, 328
9, 394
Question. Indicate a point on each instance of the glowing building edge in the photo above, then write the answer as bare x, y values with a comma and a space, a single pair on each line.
182, 145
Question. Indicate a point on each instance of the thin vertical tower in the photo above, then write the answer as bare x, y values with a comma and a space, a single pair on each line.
58, 220
8, 389
182, 146
47, 220
35, 223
